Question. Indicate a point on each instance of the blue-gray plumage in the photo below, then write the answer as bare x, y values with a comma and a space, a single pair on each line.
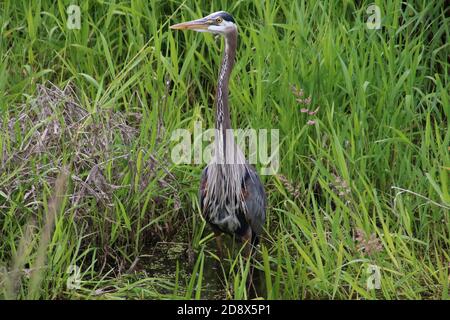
250, 215
232, 197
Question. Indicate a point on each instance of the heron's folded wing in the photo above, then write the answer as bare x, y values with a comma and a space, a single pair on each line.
255, 201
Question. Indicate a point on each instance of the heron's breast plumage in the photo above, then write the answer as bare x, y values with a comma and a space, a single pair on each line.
229, 207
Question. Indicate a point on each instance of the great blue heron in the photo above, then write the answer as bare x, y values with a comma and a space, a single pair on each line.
232, 198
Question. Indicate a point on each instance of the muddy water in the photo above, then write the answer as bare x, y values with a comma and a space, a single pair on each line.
160, 261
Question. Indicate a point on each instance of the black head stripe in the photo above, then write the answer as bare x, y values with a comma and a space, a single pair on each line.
224, 15
227, 17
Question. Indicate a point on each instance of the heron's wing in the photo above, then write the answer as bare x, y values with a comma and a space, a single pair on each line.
255, 201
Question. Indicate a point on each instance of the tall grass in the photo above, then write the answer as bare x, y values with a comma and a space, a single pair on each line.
370, 171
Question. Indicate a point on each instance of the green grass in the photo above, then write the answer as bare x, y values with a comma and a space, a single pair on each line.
377, 160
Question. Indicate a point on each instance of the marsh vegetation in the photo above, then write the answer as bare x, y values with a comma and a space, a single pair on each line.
92, 207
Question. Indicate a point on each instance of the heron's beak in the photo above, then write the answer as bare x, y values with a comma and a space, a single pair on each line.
197, 25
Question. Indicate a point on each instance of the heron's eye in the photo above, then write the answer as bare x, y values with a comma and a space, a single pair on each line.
219, 20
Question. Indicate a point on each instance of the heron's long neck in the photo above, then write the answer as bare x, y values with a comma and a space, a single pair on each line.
223, 121
226, 174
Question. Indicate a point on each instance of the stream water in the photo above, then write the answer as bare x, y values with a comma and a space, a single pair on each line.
160, 261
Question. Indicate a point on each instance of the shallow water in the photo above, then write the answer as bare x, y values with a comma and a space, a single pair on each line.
160, 261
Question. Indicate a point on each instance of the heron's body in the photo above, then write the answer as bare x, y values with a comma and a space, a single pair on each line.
240, 215
232, 198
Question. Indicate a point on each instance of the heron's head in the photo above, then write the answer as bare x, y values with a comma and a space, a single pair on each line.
218, 23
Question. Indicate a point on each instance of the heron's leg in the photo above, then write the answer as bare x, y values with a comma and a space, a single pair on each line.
247, 240
248, 253
218, 236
